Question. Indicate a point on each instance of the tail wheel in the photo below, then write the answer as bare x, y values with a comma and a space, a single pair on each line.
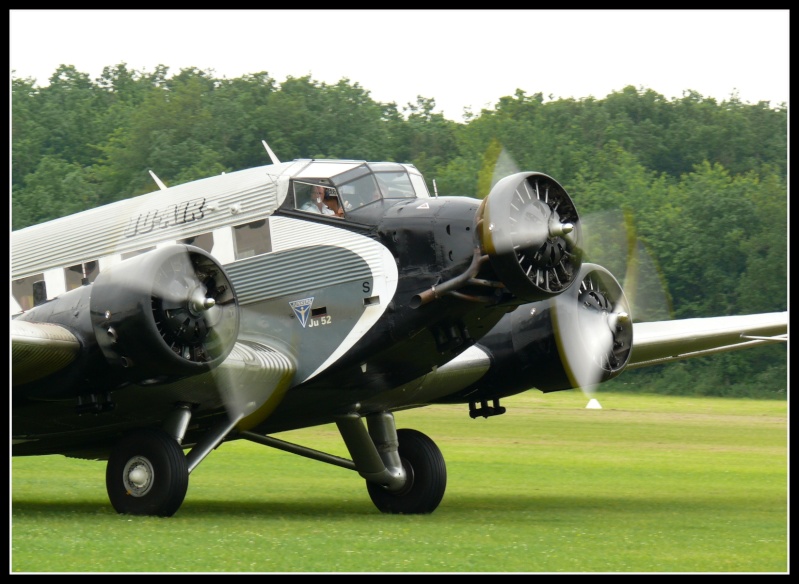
426, 477
147, 474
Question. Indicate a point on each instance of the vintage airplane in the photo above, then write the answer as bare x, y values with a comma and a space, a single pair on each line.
149, 331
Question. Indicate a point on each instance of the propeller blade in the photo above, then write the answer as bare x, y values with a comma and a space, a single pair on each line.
593, 320
594, 329
611, 240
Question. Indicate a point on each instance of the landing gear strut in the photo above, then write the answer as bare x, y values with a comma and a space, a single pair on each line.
425, 480
404, 469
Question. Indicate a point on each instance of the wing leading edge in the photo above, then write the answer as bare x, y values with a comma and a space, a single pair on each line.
40, 349
667, 341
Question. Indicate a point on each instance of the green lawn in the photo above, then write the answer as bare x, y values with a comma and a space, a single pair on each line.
646, 484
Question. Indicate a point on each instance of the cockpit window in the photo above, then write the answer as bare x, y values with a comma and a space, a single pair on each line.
359, 192
317, 198
395, 185
352, 189
372, 187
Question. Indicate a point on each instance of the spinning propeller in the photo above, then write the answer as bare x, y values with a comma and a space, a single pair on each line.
592, 317
594, 329
193, 306
196, 313
166, 314
530, 229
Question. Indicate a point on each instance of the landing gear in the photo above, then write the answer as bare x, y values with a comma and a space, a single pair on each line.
147, 474
426, 477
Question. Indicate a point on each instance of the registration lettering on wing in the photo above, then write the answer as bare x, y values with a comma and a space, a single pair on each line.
302, 308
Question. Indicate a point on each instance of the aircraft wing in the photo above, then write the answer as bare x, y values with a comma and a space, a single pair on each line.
40, 349
247, 385
667, 341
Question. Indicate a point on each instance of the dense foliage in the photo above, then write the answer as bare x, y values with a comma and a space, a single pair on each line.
690, 192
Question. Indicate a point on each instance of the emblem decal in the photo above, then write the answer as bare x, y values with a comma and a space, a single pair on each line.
302, 308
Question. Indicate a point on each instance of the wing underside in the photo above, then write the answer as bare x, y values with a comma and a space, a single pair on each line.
667, 341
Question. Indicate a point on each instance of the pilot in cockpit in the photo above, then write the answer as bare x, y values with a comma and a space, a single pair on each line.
323, 201
333, 203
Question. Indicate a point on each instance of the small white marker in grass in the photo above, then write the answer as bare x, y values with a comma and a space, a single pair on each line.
593, 405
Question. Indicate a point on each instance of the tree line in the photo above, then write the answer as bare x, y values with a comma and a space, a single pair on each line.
685, 199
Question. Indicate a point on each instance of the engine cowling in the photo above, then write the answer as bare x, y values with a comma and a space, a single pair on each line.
577, 339
529, 227
166, 314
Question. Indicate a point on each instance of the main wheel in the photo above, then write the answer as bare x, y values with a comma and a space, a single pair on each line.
426, 477
147, 474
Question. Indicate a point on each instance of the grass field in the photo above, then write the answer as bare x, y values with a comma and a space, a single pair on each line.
648, 484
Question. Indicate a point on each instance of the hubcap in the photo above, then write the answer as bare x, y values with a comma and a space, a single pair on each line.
138, 476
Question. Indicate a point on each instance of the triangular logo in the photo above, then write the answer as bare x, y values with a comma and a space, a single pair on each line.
302, 308
423, 206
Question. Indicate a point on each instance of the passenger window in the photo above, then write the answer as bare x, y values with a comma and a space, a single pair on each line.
252, 239
22, 290
133, 254
80, 274
203, 241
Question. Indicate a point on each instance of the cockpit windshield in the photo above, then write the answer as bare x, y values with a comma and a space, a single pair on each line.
395, 185
359, 192
355, 185
372, 187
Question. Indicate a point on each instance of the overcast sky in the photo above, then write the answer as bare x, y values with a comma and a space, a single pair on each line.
460, 58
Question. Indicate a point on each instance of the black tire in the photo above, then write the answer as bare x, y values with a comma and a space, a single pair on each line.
426, 477
147, 474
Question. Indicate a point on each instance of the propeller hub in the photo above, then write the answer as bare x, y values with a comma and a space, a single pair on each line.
561, 229
198, 303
